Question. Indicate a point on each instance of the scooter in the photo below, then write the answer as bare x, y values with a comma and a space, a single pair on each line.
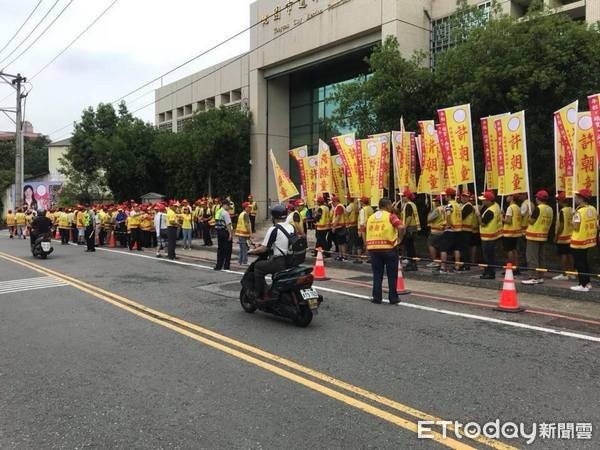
291, 294
42, 246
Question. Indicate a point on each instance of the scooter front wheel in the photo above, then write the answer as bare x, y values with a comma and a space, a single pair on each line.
247, 304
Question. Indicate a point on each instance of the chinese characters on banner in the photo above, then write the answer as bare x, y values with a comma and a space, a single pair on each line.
384, 141
490, 149
594, 104
586, 164
307, 167
457, 140
346, 148
431, 180
324, 175
564, 146
285, 186
339, 177
511, 154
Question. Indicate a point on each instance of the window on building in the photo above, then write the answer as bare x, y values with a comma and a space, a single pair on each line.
188, 110
236, 95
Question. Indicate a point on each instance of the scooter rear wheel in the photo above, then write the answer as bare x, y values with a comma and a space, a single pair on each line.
247, 304
304, 316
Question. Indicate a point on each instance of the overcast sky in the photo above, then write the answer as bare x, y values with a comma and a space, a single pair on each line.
134, 42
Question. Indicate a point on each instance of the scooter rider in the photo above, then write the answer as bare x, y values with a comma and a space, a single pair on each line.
40, 225
276, 243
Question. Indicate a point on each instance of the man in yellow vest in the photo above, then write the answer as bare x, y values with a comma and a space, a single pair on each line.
11, 223
526, 208
410, 219
172, 229
338, 227
243, 231
469, 231
322, 226
64, 225
584, 237
562, 235
365, 212
511, 232
253, 212
134, 223
449, 240
436, 220
490, 229
537, 236
384, 232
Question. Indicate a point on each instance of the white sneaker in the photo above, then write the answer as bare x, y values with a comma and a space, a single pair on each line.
532, 281
580, 288
560, 277
432, 265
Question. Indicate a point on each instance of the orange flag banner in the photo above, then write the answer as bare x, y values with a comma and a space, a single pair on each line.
339, 177
457, 140
513, 175
325, 176
346, 148
285, 187
432, 167
565, 120
586, 162
308, 173
384, 141
490, 149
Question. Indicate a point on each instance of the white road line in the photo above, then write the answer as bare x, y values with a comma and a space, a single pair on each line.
554, 331
29, 284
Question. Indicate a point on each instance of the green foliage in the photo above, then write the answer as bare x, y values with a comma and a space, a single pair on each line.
82, 187
539, 64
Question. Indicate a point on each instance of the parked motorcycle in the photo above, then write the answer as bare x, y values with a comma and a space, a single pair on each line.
291, 294
42, 246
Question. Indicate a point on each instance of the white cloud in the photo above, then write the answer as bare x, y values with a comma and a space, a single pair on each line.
134, 42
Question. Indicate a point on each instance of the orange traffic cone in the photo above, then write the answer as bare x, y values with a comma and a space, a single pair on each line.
111, 240
400, 288
508, 297
319, 270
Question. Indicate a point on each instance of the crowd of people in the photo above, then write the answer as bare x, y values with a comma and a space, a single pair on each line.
462, 232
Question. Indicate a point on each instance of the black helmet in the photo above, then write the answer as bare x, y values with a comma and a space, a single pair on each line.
278, 212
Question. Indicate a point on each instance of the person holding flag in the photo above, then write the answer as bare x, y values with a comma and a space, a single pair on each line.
511, 232
537, 236
490, 229
584, 237
410, 219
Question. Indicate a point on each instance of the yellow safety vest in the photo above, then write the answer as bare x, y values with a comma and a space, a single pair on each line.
323, 223
10, 220
79, 219
20, 218
63, 220
469, 223
493, 229
538, 231
134, 221
253, 209
513, 229
588, 228
455, 216
565, 235
525, 217
240, 228
368, 212
381, 234
352, 216
437, 225
412, 221
341, 219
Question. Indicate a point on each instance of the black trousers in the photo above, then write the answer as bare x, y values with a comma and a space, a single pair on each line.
262, 268
90, 238
147, 238
488, 251
64, 235
322, 243
223, 250
409, 246
352, 240
582, 264
171, 241
206, 234
384, 262
253, 223
102, 237
121, 233
136, 238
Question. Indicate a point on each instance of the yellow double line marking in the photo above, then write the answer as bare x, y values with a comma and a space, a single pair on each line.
250, 354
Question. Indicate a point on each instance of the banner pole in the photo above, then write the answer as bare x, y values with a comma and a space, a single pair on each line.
473, 160
526, 162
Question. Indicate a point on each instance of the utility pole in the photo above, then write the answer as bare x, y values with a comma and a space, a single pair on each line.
19, 155
17, 82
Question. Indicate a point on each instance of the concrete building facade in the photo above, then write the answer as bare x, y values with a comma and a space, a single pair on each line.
299, 51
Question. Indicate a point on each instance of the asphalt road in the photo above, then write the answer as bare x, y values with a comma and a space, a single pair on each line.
80, 367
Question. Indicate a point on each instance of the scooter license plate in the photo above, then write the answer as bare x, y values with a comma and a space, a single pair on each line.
309, 294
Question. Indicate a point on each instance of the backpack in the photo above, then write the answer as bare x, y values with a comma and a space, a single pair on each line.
297, 246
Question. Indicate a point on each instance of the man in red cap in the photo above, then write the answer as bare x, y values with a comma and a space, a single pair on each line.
562, 235
511, 231
449, 240
490, 230
584, 237
243, 232
253, 212
537, 236
469, 236
351, 219
338, 227
294, 217
410, 219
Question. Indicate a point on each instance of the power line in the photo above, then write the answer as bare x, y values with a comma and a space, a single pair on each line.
85, 30
30, 33
204, 52
22, 25
41, 34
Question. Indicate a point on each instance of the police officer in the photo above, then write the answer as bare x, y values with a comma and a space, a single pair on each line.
224, 231
89, 221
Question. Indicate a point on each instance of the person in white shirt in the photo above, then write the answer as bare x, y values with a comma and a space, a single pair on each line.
160, 225
275, 241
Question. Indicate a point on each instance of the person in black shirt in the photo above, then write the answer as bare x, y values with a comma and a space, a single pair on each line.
40, 226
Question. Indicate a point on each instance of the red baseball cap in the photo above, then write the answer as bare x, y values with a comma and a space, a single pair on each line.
585, 193
408, 193
365, 200
245, 204
488, 195
542, 195
561, 196
450, 191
